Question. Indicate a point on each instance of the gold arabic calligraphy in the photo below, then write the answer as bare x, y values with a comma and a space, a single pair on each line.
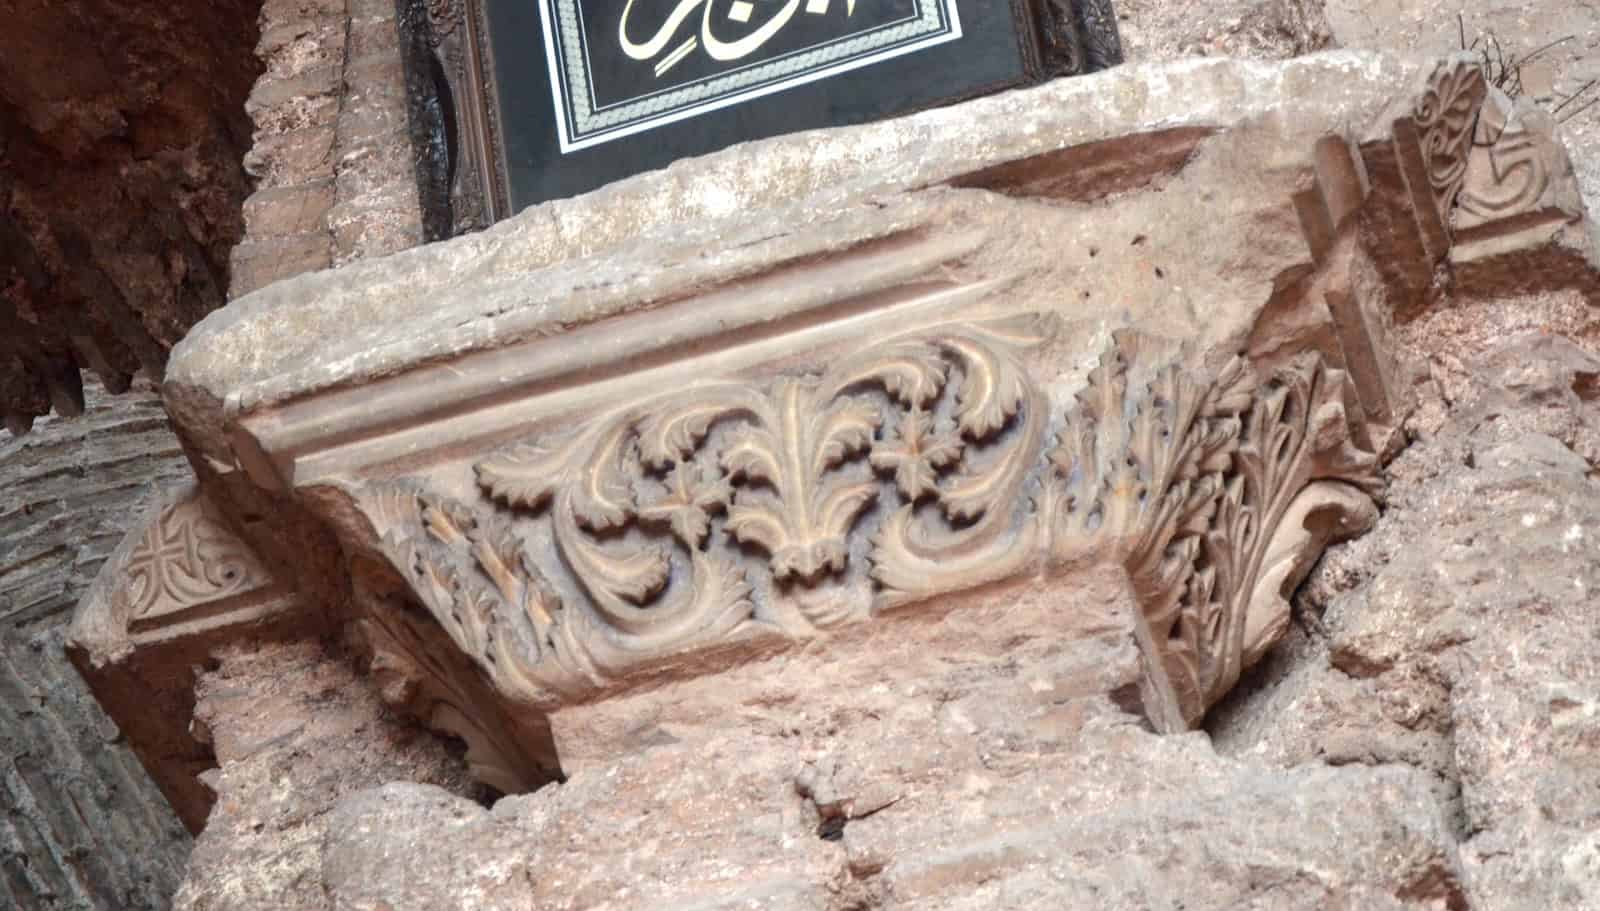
716, 48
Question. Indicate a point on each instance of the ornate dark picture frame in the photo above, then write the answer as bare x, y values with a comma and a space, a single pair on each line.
487, 87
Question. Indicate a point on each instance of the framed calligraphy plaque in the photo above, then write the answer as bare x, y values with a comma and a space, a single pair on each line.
545, 99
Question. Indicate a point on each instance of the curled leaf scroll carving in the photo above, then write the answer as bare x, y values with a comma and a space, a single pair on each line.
1446, 117
1189, 481
919, 466
1516, 168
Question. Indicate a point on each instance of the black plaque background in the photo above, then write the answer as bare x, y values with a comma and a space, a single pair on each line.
994, 52
630, 79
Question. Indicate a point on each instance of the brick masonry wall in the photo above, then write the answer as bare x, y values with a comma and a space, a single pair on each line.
81, 825
332, 152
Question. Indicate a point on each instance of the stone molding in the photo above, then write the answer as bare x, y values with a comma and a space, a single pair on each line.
1184, 480
625, 481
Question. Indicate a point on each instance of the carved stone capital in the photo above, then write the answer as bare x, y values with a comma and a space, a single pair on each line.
729, 518
778, 403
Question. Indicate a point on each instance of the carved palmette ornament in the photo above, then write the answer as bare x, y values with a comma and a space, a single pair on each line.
1446, 117
920, 466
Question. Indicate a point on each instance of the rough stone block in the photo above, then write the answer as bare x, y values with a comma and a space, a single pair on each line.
375, 173
293, 103
300, 10
374, 38
285, 211
375, 228
291, 48
258, 263
290, 159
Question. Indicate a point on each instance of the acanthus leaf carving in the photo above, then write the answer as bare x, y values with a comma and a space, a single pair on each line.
676, 521
506, 751
979, 533
1188, 481
475, 576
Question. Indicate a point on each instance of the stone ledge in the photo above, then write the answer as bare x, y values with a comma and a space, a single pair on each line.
1358, 93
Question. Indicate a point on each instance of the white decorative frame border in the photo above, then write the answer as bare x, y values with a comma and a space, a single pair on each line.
583, 125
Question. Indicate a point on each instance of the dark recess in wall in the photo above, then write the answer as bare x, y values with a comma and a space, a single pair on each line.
122, 135
122, 132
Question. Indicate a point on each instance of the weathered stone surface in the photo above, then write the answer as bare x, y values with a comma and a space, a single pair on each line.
947, 797
332, 144
1469, 657
294, 729
1126, 822
81, 826
808, 193
120, 185
69, 488
378, 209
288, 211
1164, 29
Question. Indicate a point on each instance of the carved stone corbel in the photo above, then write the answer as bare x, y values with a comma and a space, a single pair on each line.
180, 583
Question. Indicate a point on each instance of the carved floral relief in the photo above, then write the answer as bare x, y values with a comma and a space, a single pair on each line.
1188, 480
920, 466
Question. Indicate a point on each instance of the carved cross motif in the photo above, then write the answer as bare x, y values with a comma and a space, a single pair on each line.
185, 558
